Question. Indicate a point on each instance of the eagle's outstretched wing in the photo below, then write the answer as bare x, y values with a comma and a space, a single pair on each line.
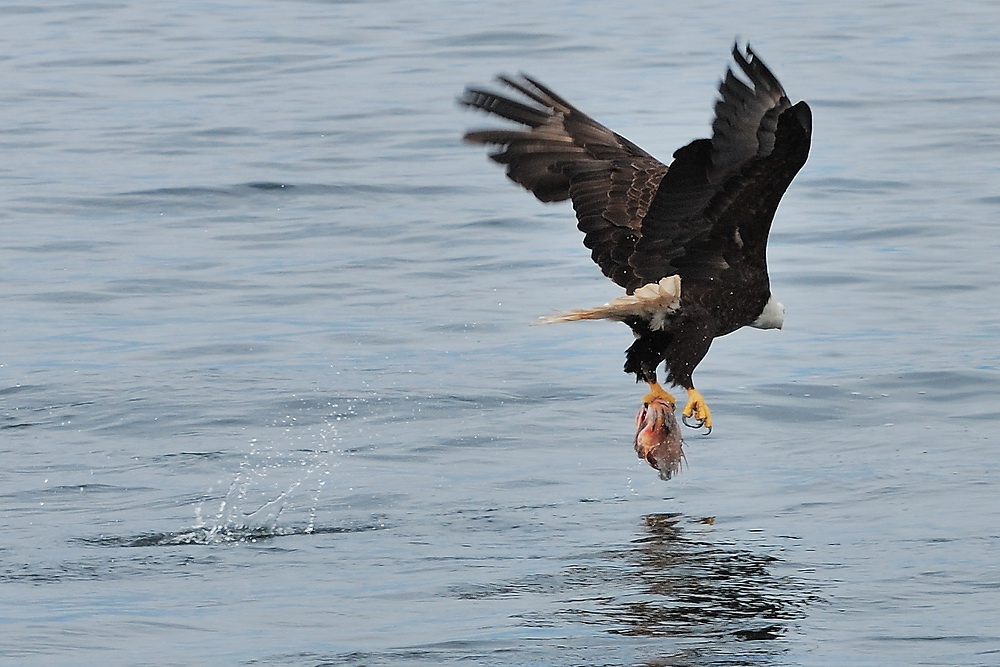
713, 209
641, 220
566, 154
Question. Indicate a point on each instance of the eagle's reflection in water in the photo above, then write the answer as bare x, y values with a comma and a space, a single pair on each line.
697, 586
711, 599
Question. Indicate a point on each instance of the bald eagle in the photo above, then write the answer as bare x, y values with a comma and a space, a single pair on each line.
688, 242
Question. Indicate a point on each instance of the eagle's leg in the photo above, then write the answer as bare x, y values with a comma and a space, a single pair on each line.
655, 392
697, 407
644, 356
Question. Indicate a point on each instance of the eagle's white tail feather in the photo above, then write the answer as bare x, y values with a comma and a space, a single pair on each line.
654, 302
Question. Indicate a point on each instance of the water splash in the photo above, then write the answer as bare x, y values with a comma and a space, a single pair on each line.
276, 489
268, 484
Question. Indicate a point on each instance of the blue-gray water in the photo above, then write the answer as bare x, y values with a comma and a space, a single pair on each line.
269, 388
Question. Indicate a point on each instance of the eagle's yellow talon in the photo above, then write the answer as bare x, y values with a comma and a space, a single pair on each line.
697, 407
655, 392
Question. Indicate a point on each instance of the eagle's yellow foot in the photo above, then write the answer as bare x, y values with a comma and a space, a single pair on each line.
697, 407
655, 392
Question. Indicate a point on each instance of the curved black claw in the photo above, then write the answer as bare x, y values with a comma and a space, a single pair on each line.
700, 423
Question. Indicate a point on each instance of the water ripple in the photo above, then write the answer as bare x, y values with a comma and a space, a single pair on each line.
226, 535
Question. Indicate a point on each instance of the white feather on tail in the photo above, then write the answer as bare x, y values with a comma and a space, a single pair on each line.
653, 302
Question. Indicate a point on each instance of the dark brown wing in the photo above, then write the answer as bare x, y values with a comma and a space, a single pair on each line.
565, 154
714, 208
710, 211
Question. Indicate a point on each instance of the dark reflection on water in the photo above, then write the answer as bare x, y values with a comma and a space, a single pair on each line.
693, 586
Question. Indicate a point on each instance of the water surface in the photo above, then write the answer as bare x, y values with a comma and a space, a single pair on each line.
270, 393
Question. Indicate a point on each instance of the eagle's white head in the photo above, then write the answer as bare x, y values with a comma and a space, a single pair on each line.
773, 315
